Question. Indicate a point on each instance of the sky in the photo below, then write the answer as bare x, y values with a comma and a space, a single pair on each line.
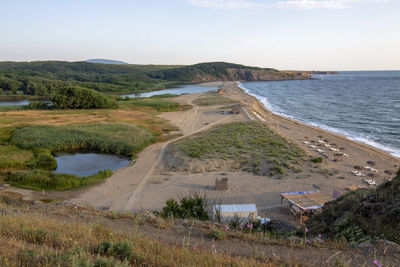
282, 34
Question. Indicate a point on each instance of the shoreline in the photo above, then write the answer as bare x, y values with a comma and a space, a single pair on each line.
326, 131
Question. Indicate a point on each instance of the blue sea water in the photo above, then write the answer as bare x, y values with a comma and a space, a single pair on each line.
362, 105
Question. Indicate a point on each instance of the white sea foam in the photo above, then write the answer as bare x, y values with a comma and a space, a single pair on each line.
354, 137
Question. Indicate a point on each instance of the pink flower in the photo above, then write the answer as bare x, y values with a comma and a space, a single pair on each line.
320, 236
241, 226
132, 209
308, 241
306, 230
376, 263
226, 227
194, 247
75, 207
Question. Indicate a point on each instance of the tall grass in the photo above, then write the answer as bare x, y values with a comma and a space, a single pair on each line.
214, 100
120, 139
157, 104
48, 180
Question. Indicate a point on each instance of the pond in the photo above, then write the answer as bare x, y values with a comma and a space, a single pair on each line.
24, 102
178, 90
86, 164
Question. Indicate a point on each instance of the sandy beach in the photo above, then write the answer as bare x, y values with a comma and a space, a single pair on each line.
148, 183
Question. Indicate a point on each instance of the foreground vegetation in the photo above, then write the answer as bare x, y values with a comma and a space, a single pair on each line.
73, 237
362, 215
251, 145
48, 180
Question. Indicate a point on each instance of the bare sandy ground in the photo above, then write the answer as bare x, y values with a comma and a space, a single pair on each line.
127, 185
264, 191
147, 184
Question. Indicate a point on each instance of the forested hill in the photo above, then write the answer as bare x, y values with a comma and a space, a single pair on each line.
45, 78
221, 71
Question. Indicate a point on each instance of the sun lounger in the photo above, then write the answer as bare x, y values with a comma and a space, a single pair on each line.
370, 182
370, 169
358, 173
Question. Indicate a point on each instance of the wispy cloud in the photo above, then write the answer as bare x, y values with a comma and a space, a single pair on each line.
297, 4
229, 4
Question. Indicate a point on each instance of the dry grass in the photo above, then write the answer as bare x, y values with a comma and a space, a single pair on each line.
37, 239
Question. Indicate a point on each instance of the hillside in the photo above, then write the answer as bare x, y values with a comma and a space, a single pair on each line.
362, 215
45, 78
221, 71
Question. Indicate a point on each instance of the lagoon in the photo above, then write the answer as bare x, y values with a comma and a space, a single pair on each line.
178, 90
86, 164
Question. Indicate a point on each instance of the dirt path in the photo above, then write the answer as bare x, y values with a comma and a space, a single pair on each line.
122, 190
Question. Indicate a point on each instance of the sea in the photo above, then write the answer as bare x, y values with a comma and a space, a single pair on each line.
363, 106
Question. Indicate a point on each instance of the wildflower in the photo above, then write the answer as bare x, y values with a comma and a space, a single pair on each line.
241, 226
320, 236
194, 247
306, 230
226, 227
214, 250
133, 209
75, 207
376, 263
308, 241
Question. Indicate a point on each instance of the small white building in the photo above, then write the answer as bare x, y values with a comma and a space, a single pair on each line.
244, 212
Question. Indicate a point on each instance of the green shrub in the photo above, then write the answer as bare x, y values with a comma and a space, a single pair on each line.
217, 234
38, 105
352, 233
189, 207
108, 262
317, 160
119, 250
81, 98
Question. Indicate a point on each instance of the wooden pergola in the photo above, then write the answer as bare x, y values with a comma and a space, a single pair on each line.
305, 203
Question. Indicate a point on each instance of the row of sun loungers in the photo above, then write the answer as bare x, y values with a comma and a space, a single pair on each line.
322, 143
247, 114
258, 116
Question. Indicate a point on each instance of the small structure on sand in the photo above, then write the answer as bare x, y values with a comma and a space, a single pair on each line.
220, 92
236, 109
243, 212
305, 204
338, 157
221, 184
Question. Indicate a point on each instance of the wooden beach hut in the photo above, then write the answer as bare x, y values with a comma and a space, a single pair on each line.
244, 212
221, 184
305, 204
